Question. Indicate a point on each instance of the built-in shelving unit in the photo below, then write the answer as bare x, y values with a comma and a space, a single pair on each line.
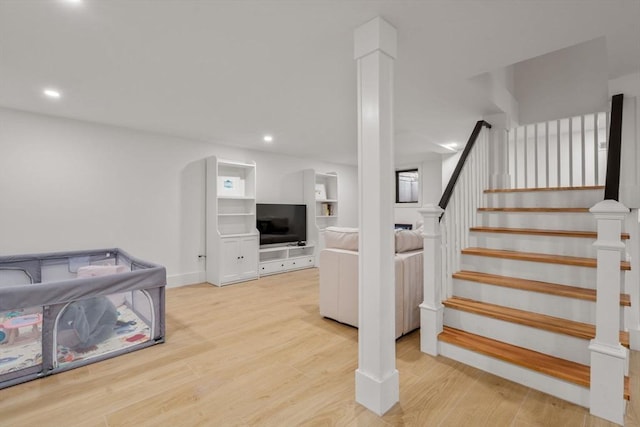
232, 238
321, 197
278, 259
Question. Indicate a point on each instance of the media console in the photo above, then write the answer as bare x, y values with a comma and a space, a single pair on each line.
281, 258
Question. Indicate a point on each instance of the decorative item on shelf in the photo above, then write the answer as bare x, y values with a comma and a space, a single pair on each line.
230, 186
325, 211
321, 192
330, 209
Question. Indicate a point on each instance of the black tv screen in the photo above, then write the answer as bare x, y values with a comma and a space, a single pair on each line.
281, 223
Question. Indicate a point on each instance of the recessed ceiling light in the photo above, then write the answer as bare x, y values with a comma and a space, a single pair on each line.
268, 138
74, 1
52, 93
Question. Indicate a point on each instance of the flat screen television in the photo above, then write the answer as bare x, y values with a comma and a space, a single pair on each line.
281, 223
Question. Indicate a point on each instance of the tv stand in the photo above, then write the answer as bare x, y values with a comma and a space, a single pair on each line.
276, 259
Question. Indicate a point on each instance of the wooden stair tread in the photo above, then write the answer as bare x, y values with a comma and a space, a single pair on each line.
527, 318
523, 190
535, 286
538, 257
554, 366
537, 209
542, 232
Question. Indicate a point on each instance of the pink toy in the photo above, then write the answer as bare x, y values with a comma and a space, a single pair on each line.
12, 325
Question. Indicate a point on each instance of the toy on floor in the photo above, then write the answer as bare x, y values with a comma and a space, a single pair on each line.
85, 323
11, 326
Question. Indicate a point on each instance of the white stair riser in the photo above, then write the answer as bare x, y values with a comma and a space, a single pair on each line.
584, 277
582, 221
549, 199
578, 310
551, 343
570, 246
561, 389
551, 305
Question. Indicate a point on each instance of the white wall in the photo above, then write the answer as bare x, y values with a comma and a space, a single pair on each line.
431, 186
449, 163
563, 83
67, 185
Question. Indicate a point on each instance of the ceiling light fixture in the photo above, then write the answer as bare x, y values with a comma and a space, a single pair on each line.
52, 93
267, 138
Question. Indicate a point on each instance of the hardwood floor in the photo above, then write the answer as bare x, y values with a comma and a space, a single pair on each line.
259, 354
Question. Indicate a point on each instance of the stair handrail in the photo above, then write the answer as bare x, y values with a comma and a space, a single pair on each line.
446, 196
446, 235
614, 153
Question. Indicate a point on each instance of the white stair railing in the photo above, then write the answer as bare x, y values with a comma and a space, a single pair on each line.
446, 232
461, 212
568, 152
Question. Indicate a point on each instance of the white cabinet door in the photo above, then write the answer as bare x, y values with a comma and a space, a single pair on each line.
248, 266
239, 258
230, 259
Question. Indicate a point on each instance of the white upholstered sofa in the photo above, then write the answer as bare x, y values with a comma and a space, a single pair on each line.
339, 277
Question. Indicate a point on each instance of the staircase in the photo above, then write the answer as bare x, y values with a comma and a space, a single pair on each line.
522, 305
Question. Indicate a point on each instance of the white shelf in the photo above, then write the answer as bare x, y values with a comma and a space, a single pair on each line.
238, 235
236, 197
280, 259
232, 237
280, 248
317, 209
233, 163
327, 175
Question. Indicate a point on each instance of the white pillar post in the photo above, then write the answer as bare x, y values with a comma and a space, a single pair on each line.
377, 380
431, 309
608, 357
498, 161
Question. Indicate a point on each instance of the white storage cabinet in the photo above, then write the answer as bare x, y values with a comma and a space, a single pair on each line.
232, 237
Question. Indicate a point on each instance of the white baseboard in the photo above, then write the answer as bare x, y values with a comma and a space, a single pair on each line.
377, 395
177, 280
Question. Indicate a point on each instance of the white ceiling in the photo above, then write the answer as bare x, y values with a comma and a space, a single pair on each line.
230, 71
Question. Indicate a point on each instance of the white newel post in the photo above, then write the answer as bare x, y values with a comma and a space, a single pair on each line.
608, 356
630, 196
431, 309
376, 379
498, 140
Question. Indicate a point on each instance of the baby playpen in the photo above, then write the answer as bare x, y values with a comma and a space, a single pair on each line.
63, 310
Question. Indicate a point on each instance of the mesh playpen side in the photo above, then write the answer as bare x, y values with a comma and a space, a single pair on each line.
63, 310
